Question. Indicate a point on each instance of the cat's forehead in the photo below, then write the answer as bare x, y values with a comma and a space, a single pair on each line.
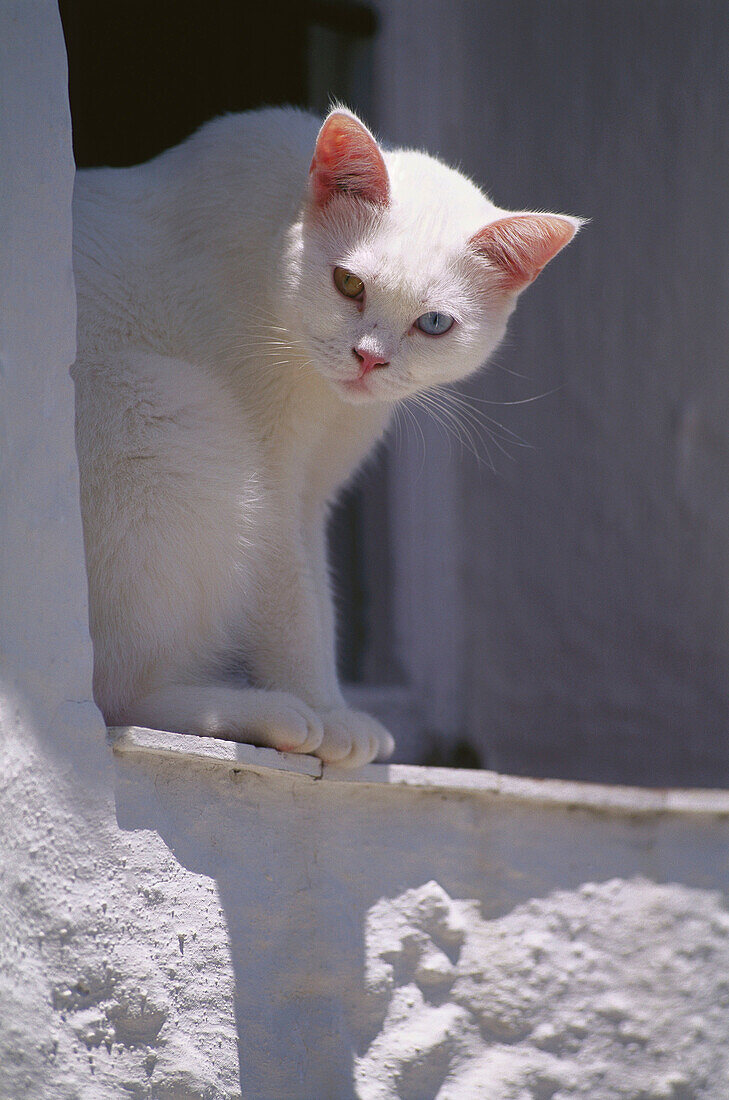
421, 186
410, 271
417, 244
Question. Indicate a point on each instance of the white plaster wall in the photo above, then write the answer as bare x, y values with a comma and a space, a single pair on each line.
412, 933
90, 962
45, 652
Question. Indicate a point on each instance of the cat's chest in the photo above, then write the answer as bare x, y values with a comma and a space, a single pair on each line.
327, 442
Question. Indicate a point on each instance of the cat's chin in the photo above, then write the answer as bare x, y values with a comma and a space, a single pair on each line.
357, 391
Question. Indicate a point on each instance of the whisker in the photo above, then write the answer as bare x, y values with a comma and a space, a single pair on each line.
478, 418
466, 422
522, 401
412, 418
440, 411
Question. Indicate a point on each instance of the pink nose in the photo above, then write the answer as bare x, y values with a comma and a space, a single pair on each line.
368, 360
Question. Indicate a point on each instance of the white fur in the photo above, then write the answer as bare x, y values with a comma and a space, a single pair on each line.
213, 428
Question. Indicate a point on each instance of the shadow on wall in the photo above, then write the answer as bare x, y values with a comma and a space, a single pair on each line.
300, 863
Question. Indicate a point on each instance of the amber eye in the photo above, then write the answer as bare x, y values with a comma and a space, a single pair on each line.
348, 284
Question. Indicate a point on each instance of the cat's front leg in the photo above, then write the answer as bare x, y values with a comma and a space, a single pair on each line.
290, 643
351, 737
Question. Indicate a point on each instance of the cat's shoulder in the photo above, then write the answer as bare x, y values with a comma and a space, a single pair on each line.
267, 133
270, 142
287, 125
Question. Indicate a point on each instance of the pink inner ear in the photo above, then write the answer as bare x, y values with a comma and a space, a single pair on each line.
522, 244
347, 160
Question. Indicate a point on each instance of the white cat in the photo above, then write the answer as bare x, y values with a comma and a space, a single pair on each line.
248, 318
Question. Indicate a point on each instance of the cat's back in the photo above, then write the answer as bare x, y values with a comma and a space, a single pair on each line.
158, 243
233, 167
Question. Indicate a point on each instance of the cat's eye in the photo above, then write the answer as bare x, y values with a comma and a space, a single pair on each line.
351, 286
435, 323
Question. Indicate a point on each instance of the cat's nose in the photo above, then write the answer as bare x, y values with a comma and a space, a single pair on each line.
369, 360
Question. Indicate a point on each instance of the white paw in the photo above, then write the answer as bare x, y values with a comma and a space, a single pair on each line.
251, 715
285, 723
352, 738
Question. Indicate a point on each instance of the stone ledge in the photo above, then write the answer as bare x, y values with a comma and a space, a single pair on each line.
134, 740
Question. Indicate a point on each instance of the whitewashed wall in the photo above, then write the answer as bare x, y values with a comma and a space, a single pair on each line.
590, 574
44, 642
90, 961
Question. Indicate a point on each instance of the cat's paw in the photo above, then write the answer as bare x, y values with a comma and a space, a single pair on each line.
281, 721
352, 738
253, 716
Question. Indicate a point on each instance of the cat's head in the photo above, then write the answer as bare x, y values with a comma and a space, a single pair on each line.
402, 274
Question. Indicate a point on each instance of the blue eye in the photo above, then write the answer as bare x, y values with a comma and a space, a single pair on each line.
435, 324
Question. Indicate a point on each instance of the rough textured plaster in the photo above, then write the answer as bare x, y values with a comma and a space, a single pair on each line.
306, 867
614, 991
116, 976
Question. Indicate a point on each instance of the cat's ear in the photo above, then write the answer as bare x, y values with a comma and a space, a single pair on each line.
518, 246
348, 161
